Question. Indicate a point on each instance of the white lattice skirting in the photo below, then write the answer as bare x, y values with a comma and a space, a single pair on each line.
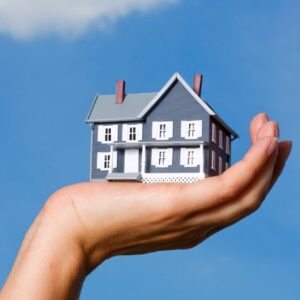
172, 177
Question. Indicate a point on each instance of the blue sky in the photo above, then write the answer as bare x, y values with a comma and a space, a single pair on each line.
248, 52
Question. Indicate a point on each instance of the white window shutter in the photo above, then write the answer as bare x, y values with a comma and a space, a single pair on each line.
115, 159
197, 159
100, 133
139, 132
155, 157
155, 130
114, 133
183, 156
125, 136
198, 129
169, 157
100, 160
169, 129
184, 129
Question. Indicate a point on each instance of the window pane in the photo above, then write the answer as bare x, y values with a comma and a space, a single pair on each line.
213, 160
227, 145
221, 139
220, 165
214, 132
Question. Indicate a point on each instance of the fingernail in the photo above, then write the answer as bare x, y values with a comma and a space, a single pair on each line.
265, 117
270, 129
273, 144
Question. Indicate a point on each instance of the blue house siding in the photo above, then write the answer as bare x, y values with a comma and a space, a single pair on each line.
175, 168
215, 146
177, 105
100, 147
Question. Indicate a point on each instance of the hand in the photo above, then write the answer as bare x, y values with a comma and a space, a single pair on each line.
82, 225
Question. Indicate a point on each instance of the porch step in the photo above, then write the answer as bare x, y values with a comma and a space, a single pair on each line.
124, 177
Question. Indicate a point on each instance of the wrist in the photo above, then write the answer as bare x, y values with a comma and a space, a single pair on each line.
50, 264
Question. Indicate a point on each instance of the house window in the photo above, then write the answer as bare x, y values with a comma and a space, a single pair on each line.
227, 144
213, 160
107, 135
107, 158
220, 165
191, 129
214, 132
162, 158
226, 165
162, 131
221, 139
190, 158
132, 133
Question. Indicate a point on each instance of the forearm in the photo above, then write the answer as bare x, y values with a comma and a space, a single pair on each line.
50, 265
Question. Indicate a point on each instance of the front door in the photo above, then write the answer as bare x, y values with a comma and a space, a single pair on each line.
131, 163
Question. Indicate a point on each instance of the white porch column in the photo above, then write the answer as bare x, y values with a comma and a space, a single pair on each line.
143, 167
111, 163
201, 169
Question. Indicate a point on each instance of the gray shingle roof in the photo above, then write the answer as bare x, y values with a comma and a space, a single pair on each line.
136, 106
105, 108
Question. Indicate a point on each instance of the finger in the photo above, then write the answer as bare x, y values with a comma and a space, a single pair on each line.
257, 122
249, 200
284, 151
218, 190
270, 128
237, 178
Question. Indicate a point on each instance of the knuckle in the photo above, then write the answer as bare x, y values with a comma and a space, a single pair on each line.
58, 200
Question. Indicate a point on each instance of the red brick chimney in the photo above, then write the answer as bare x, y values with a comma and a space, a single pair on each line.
120, 91
198, 78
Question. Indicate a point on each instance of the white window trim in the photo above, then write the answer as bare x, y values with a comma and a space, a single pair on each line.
101, 160
214, 132
220, 165
184, 159
221, 139
198, 129
101, 133
155, 157
156, 130
213, 160
227, 145
126, 132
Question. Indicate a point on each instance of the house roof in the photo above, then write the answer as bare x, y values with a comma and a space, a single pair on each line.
105, 108
136, 106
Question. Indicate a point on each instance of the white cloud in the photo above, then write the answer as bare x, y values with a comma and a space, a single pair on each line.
25, 19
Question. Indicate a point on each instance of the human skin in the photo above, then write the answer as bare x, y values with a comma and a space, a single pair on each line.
82, 225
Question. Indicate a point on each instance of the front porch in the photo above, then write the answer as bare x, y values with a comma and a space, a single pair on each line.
136, 164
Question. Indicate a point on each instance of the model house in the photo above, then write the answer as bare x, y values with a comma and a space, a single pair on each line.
170, 136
